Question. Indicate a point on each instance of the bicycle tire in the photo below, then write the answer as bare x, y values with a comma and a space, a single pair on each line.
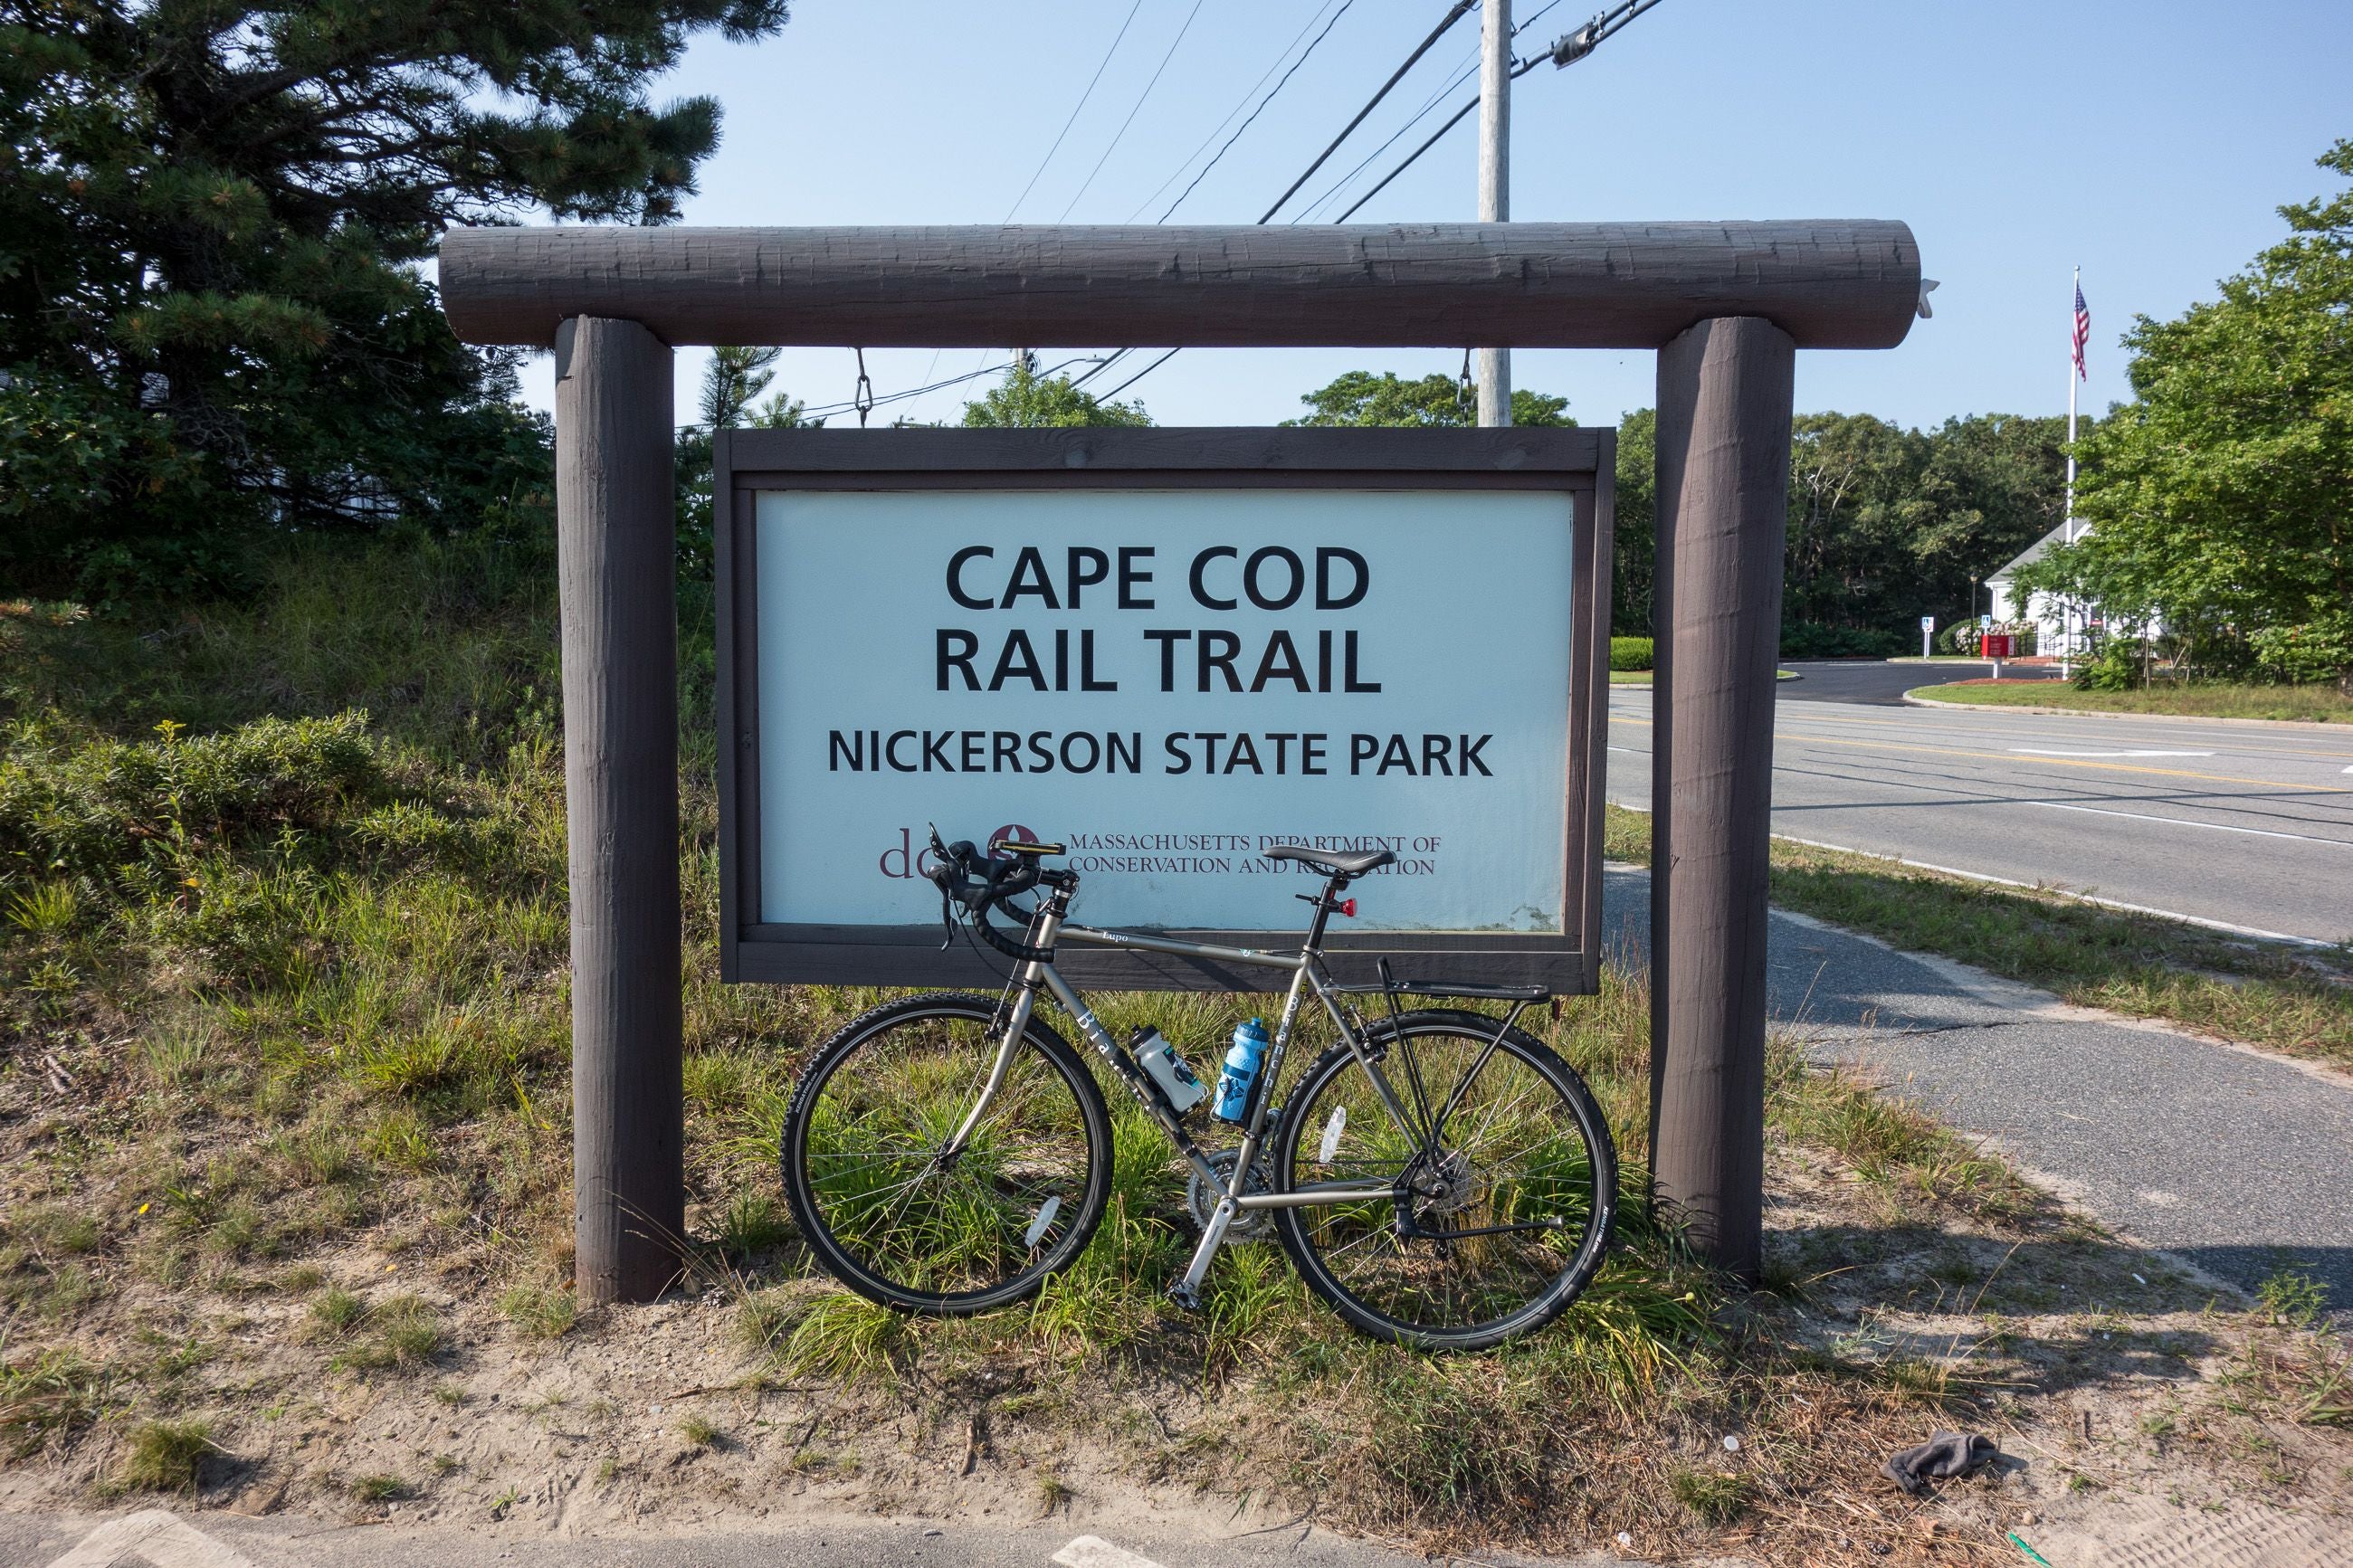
1302, 1233
840, 1258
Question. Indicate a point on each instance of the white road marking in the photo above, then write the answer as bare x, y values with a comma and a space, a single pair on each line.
150, 1536
1093, 1551
2179, 822
2046, 752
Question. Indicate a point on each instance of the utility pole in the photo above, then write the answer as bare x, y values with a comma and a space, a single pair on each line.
1495, 182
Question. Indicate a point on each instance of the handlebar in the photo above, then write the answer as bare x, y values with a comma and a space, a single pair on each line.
974, 882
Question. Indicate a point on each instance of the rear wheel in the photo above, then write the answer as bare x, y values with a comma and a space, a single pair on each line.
896, 1215
1491, 1233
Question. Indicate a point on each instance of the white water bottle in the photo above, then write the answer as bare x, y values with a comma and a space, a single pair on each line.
1165, 1069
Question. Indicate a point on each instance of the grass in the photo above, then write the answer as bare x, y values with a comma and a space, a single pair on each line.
289, 873
166, 1455
45, 1398
2296, 1002
541, 1313
2218, 699
700, 1433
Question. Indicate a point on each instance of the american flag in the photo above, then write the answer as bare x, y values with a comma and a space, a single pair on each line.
2083, 332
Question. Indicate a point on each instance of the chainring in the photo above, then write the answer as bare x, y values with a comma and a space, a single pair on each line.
1201, 1198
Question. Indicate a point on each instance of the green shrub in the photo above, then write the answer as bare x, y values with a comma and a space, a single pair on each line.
1629, 652
108, 807
1815, 640
2316, 650
2114, 666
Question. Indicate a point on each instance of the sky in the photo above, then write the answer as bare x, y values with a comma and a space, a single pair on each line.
2149, 141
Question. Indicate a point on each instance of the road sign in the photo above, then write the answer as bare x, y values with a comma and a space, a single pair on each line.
1170, 650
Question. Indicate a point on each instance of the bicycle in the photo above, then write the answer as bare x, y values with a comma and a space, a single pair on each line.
947, 1152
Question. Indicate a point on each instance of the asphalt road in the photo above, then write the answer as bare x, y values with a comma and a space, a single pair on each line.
1877, 682
185, 1538
2246, 827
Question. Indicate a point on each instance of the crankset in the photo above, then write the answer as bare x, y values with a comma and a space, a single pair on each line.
1201, 1198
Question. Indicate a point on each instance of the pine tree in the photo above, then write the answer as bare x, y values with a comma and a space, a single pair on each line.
213, 218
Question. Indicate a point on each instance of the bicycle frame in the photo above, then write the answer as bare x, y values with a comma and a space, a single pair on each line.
1306, 968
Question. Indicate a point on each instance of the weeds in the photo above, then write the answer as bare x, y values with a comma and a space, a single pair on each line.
700, 1433
46, 1398
1713, 1496
543, 1314
379, 1488
846, 1337
166, 1455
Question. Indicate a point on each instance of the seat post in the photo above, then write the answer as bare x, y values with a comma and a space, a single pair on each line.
1333, 889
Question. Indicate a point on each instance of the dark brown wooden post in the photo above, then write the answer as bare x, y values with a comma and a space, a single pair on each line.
1724, 392
616, 555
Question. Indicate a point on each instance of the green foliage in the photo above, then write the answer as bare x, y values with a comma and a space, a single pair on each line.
1818, 640
732, 379
2318, 649
1434, 401
2293, 1299
2222, 497
1714, 1497
1630, 653
211, 309
46, 1396
111, 808
1026, 400
1887, 525
166, 1455
2114, 666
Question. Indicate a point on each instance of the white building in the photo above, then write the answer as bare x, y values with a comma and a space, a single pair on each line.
2043, 612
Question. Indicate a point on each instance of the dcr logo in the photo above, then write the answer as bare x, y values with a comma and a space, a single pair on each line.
913, 862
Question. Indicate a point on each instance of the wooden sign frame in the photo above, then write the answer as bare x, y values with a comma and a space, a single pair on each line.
1578, 463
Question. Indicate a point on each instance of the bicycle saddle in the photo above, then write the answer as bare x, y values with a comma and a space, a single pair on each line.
1333, 862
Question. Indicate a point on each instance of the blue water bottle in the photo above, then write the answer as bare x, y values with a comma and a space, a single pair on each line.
1241, 1071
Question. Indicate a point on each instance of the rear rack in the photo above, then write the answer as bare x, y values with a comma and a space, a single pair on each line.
1447, 988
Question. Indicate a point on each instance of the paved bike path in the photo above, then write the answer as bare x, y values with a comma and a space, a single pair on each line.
2235, 1162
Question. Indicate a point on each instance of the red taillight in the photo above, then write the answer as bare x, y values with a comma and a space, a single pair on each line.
1348, 908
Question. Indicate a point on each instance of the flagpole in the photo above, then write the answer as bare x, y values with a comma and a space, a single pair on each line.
2067, 524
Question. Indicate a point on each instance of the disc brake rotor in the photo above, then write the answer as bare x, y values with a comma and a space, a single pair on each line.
1249, 1225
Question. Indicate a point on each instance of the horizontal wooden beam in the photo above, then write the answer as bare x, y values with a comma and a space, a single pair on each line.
1829, 284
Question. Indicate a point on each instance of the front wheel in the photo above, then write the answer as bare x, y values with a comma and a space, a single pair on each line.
1486, 1231
918, 1186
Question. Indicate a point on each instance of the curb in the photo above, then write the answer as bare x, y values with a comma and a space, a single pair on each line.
2321, 726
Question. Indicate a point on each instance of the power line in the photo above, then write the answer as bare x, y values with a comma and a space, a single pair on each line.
1464, 70
1140, 374
1567, 50
1132, 114
1101, 65
1453, 16
832, 408
1463, 73
1262, 103
1240, 104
